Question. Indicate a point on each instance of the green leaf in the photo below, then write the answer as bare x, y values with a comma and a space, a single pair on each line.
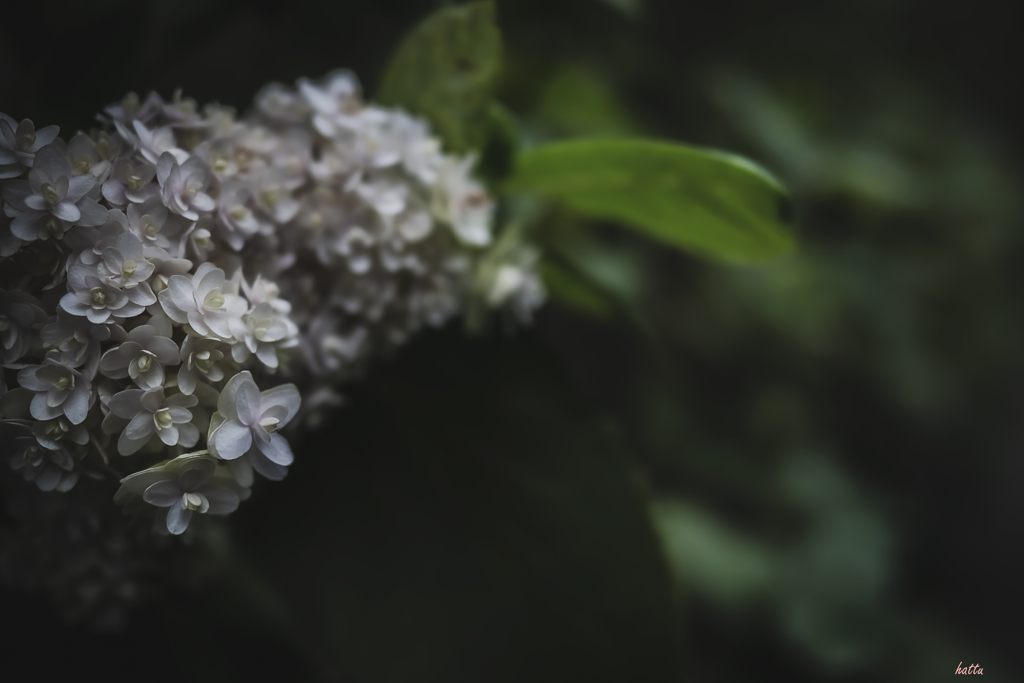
445, 71
709, 202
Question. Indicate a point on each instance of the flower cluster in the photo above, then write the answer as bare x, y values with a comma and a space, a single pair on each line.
385, 232
162, 276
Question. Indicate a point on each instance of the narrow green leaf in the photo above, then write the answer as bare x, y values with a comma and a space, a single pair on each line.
709, 202
445, 71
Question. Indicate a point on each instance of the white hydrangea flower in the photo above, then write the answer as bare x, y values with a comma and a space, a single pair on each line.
19, 143
244, 430
182, 112
50, 470
183, 186
267, 291
151, 412
198, 242
84, 156
131, 109
9, 243
59, 390
516, 282
199, 357
142, 356
279, 103
78, 340
187, 484
332, 101
235, 218
89, 242
151, 143
462, 203
20, 314
52, 199
149, 222
130, 182
272, 190
203, 302
165, 267
99, 299
125, 265
264, 331
59, 432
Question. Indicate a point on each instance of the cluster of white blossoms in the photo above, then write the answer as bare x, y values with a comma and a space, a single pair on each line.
162, 277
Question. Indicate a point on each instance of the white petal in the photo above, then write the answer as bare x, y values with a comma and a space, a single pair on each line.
138, 483
178, 517
242, 471
222, 499
181, 293
126, 404
66, 211
140, 427
41, 411
188, 435
168, 435
277, 450
162, 493
113, 364
232, 440
126, 446
186, 380
267, 355
28, 379
286, 395
164, 166
247, 403
268, 469
76, 407
226, 402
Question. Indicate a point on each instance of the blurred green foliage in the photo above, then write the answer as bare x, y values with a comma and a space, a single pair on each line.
445, 71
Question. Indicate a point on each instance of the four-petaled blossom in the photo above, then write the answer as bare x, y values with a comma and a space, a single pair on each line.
85, 156
151, 143
244, 430
52, 199
187, 484
148, 221
234, 216
100, 299
264, 330
130, 181
124, 265
59, 390
19, 143
142, 357
183, 186
202, 302
51, 470
151, 412
78, 340
199, 357
52, 434
19, 314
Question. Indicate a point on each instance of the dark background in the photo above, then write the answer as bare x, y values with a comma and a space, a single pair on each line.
830, 446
